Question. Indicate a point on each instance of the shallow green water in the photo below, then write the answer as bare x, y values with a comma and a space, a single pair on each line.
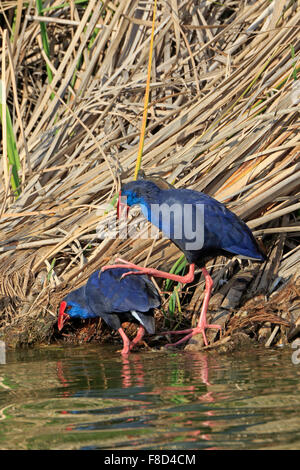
90, 397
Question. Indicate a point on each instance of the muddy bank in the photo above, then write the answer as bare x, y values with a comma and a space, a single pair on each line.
270, 321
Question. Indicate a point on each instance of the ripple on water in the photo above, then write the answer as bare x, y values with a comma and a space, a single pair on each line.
89, 397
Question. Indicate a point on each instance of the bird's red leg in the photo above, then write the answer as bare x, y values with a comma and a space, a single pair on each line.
202, 323
126, 342
189, 277
139, 336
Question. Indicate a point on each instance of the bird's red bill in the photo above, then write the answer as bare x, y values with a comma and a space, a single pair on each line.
62, 316
121, 208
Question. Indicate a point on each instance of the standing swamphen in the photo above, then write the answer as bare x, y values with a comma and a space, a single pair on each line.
132, 300
199, 225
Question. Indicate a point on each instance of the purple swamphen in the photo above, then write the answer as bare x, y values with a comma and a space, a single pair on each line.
200, 226
104, 295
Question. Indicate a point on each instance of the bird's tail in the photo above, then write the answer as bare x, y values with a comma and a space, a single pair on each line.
147, 321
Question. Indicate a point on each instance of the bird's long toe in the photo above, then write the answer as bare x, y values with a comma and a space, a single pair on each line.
190, 333
182, 340
131, 272
176, 332
112, 266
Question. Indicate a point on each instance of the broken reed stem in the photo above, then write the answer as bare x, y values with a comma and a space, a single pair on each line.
144, 121
3, 109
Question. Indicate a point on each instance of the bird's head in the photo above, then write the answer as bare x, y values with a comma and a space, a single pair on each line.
72, 306
141, 192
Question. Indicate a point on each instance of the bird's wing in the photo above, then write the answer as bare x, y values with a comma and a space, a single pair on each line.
202, 222
112, 320
109, 294
77, 296
226, 230
133, 293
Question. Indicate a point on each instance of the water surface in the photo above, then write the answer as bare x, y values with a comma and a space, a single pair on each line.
89, 397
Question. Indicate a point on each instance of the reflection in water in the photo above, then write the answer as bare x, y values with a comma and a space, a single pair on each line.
127, 376
87, 397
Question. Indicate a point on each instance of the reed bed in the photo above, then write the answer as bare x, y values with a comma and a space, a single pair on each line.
223, 118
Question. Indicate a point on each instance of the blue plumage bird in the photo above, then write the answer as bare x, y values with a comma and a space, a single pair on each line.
132, 300
200, 226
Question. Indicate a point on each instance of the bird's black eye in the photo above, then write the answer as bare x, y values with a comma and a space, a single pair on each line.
68, 307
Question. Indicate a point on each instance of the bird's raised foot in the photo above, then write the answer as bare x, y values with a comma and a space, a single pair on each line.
190, 333
156, 273
125, 264
147, 271
189, 277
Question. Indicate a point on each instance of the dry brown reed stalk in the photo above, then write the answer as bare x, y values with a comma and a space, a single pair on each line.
223, 118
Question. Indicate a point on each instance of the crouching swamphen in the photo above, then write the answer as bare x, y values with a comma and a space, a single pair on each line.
199, 225
132, 300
